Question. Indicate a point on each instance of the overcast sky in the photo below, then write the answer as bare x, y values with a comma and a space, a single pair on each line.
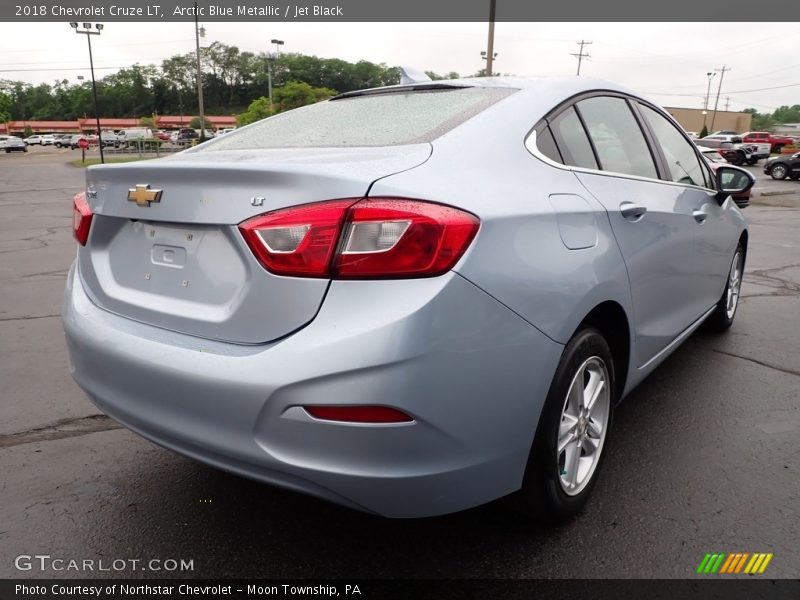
666, 61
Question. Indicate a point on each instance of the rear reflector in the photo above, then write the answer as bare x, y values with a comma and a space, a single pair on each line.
358, 414
81, 218
372, 238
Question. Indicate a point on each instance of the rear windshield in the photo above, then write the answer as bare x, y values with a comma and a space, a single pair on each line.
383, 119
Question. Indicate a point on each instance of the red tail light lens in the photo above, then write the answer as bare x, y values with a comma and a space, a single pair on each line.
358, 414
81, 218
367, 239
389, 237
298, 241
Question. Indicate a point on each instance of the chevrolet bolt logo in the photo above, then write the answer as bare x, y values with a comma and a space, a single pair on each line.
143, 195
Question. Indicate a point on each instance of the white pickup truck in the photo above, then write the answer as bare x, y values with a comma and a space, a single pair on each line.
734, 151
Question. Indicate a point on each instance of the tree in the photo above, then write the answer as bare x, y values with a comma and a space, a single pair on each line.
298, 93
196, 123
258, 109
704, 132
5, 108
148, 122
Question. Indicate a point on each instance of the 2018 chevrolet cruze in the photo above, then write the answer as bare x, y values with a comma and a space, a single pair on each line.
409, 300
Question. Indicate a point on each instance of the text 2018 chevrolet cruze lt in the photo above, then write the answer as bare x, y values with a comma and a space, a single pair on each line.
409, 300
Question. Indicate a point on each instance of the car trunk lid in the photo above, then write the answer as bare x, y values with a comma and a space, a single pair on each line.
165, 250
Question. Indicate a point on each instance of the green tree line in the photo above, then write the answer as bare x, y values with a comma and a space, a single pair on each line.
232, 80
768, 121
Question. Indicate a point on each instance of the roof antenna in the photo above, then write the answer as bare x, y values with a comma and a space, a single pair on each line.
410, 75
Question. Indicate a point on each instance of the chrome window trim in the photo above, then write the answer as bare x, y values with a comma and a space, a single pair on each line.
530, 146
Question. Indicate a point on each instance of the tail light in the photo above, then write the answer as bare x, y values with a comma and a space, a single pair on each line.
367, 239
81, 218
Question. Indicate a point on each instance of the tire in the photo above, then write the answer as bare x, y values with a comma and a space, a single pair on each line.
739, 159
779, 171
752, 161
725, 311
553, 490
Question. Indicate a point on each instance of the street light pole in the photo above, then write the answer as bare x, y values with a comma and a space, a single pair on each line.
199, 76
270, 60
490, 54
89, 32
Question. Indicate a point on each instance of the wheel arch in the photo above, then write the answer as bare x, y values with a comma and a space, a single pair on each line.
611, 320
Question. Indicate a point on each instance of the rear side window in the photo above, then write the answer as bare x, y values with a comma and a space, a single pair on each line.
378, 119
547, 145
572, 140
617, 137
682, 161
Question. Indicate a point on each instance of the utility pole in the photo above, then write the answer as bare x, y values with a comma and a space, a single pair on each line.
727, 103
490, 44
199, 75
580, 55
719, 90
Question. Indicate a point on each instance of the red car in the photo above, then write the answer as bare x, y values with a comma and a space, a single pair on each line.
161, 135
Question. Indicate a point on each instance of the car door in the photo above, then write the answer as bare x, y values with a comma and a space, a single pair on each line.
715, 230
652, 219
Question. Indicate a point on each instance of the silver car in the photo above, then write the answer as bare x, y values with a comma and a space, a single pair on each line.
409, 300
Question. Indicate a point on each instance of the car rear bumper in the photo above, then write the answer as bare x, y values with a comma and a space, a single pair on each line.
470, 371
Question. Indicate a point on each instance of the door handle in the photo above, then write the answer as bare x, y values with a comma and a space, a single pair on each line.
699, 216
632, 212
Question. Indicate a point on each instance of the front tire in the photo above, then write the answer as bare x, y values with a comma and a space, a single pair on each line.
778, 172
725, 311
567, 451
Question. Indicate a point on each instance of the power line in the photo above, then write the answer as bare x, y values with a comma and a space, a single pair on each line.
580, 55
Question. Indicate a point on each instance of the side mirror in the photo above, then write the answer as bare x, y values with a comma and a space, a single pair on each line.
732, 180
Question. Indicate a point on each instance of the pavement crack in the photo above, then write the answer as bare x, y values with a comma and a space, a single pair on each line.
64, 428
28, 318
758, 362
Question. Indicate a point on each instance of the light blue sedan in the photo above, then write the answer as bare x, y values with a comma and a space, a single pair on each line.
408, 300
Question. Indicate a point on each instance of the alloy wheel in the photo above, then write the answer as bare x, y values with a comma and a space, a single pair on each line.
734, 285
583, 426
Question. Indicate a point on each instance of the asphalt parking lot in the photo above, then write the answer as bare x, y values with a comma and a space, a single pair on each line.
704, 457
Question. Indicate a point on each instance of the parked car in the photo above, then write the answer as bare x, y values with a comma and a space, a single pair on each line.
735, 153
724, 132
386, 311
58, 139
3, 139
126, 136
693, 135
161, 135
34, 140
187, 134
722, 137
14, 144
781, 167
776, 142
715, 160
91, 138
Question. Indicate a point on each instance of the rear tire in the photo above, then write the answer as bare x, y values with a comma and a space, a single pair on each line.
725, 311
571, 437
